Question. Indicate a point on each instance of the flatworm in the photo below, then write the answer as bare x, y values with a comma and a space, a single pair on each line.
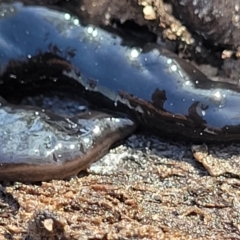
42, 47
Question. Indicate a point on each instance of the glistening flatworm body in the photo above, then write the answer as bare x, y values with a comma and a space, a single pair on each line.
152, 86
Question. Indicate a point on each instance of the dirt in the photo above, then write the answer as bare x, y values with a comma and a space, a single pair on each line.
148, 187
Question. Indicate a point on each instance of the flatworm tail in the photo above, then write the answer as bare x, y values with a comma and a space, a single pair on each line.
39, 145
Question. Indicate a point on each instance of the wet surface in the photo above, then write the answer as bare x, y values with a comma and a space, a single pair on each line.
156, 190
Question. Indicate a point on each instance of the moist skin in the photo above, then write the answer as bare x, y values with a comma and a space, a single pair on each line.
156, 89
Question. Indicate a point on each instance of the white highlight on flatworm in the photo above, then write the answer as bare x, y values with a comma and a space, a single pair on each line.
67, 16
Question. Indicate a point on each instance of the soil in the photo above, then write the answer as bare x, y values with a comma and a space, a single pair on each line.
148, 187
